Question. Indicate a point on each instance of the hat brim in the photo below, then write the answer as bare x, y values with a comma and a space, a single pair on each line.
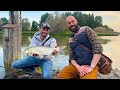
46, 27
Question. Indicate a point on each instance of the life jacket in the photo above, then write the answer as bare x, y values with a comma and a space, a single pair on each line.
82, 56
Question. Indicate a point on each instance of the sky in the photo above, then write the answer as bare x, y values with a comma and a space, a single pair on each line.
110, 18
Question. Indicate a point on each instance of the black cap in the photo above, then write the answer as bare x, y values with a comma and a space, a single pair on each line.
45, 24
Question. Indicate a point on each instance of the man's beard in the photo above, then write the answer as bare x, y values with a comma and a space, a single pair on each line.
44, 35
73, 30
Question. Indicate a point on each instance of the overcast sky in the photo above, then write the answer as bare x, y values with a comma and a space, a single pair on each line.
110, 18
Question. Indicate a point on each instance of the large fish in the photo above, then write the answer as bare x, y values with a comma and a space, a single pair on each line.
41, 50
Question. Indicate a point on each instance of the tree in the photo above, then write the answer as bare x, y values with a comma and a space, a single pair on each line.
0, 24
25, 24
108, 28
44, 17
91, 20
67, 14
3, 21
80, 18
98, 21
34, 26
105, 26
57, 22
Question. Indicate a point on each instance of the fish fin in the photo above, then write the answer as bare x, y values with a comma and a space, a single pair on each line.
61, 49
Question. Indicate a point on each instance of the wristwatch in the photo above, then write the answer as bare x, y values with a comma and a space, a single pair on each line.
92, 66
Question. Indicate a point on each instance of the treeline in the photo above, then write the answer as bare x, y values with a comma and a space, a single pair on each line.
57, 21
3, 21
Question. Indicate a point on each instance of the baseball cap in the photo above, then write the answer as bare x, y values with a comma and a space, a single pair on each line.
45, 24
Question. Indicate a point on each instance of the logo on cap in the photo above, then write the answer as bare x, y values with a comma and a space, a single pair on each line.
45, 25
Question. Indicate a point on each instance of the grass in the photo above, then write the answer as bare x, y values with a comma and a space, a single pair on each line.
107, 34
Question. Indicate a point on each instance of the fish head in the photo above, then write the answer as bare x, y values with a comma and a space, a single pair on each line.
28, 51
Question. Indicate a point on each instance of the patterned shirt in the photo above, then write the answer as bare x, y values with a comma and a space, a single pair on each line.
94, 40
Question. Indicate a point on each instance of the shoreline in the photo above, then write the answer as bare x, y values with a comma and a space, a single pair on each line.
19, 74
115, 74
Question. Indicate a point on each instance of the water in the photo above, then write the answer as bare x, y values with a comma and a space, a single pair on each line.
60, 61
2, 70
111, 49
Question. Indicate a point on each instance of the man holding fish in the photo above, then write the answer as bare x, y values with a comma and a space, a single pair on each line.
42, 45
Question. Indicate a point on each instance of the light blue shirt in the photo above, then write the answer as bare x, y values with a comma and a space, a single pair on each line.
36, 41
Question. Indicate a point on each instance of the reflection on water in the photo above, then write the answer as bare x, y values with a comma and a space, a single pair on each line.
1, 64
60, 61
104, 41
111, 47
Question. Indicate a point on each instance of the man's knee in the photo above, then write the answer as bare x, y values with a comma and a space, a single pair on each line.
14, 65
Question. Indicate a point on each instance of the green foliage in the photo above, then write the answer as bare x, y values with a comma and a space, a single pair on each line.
34, 26
88, 19
100, 29
67, 14
98, 21
108, 28
107, 34
44, 17
25, 24
66, 32
80, 18
3, 21
103, 29
57, 22
91, 21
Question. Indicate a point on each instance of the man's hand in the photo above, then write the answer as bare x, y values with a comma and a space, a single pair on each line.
82, 69
88, 68
55, 52
71, 40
